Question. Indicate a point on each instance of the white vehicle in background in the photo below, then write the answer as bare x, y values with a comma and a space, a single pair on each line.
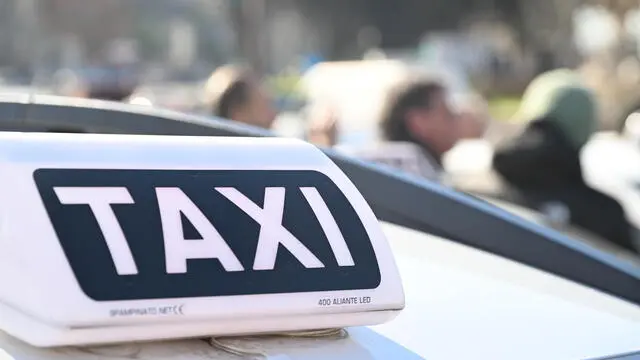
478, 282
356, 92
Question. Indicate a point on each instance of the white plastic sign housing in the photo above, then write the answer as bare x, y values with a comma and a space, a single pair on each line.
117, 238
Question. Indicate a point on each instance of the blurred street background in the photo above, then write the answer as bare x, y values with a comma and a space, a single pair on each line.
493, 46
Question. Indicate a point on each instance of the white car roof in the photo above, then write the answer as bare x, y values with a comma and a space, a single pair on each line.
464, 304
460, 303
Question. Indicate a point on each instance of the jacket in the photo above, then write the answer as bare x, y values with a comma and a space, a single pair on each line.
543, 167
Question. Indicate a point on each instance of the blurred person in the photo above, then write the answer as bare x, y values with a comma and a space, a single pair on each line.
542, 163
418, 127
235, 93
107, 93
113, 83
103, 83
419, 113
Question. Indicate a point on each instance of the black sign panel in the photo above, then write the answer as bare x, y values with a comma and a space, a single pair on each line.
88, 254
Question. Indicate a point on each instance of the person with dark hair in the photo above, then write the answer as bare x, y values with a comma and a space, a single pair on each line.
111, 83
418, 126
542, 163
235, 93
418, 112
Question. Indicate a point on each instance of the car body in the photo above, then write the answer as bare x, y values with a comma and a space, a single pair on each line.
461, 303
480, 282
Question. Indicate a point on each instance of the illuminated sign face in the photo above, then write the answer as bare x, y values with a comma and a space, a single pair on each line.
151, 234
144, 238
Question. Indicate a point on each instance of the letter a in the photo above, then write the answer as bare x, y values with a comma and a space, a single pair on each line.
172, 202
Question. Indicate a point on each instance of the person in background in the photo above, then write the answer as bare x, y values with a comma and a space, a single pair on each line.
235, 93
542, 163
102, 83
418, 113
418, 126
110, 93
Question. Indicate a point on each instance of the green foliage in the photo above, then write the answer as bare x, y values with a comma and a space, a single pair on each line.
285, 86
503, 108
152, 36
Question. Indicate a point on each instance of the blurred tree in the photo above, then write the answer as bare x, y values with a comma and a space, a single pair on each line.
95, 21
403, 25
6, 33
543, 27
151, 36
215, 36
617, 7
248, 19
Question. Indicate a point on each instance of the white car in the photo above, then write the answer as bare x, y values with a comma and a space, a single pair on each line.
479, 282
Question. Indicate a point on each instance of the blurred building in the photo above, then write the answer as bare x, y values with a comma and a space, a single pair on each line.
275, 31
17, 20
94, 23
6, 33
269, 33
57, 32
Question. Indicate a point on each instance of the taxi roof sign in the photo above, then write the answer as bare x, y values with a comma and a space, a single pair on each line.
128, 238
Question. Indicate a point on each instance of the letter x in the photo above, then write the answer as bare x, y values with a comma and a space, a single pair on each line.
272, 233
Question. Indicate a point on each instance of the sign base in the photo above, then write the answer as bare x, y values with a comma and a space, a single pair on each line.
39, 334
